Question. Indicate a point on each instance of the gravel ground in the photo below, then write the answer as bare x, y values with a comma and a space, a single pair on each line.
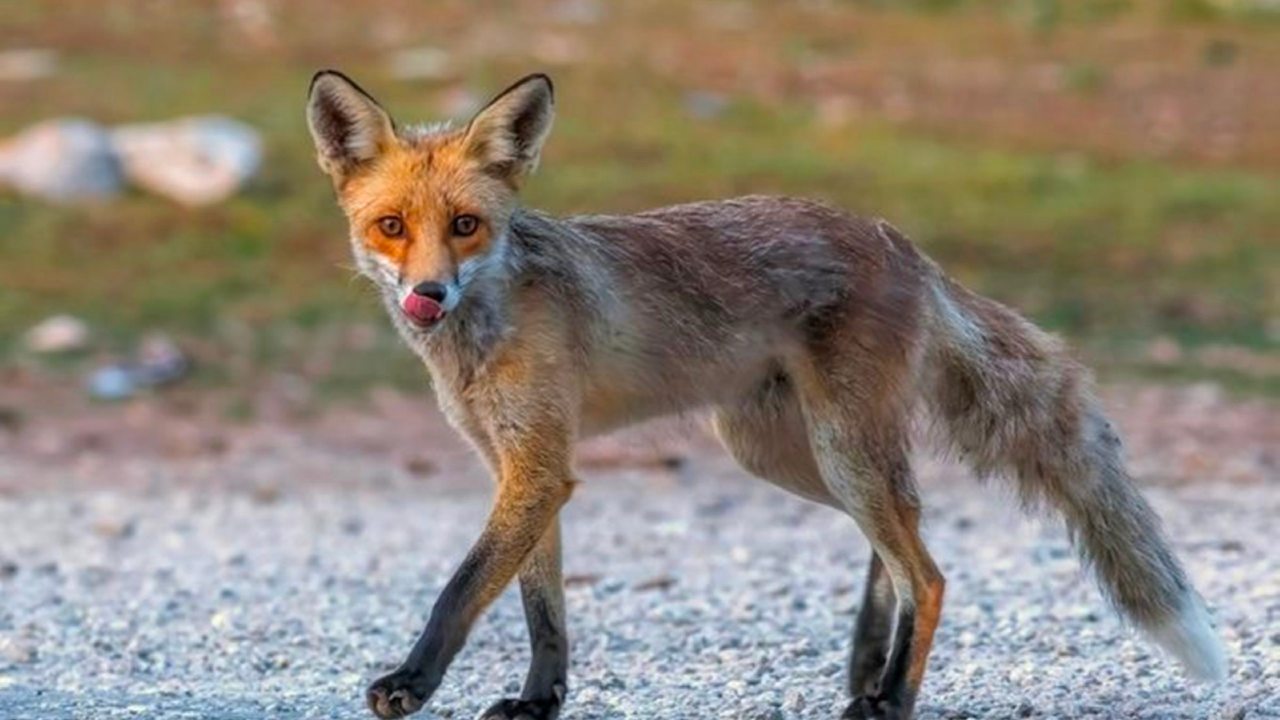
275, 579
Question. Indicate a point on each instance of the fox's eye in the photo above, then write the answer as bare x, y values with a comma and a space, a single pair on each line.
465, 225
391, 226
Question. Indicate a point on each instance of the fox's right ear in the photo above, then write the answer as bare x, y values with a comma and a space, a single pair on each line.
347, 124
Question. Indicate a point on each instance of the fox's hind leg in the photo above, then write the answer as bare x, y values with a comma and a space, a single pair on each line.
859, 436
767, 434
873, 633
876, 483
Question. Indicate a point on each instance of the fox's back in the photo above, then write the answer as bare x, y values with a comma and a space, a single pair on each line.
696, 303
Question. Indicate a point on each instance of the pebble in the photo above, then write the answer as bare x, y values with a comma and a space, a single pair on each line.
57, 334
62, 160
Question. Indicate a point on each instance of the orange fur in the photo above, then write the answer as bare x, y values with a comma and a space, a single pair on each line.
427, 183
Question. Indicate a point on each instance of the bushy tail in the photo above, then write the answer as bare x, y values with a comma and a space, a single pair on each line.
1012, 402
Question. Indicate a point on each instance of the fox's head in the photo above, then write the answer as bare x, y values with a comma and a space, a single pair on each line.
428, 208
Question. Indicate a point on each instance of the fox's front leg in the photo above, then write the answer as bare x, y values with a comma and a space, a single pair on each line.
534, 482
542, 589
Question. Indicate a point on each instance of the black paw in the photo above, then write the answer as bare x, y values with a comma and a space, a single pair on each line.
873, 708
510, 709
399, 694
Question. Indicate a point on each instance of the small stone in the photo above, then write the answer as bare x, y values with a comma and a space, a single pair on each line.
57, 334
17, 651
661, 582
718, 507
793, 702
159, 361
419, 466
581, 580
265, 493
116, 528
112, 382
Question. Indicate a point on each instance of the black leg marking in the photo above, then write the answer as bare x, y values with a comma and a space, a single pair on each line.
404, 691
894, 687
544, 613
896, 698
873, 631
542, 591
512, 709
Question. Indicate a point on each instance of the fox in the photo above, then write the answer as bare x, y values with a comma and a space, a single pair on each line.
815, 339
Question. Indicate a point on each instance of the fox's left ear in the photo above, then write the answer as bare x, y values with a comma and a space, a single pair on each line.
507, 135
349, 127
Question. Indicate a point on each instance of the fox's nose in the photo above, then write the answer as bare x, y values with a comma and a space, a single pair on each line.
429, 289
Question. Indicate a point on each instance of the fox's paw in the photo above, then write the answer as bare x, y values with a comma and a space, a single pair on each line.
510, 709
396, 695
873, 708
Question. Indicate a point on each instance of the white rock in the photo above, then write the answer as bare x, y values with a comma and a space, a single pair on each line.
59, 333
195, 161
62, 160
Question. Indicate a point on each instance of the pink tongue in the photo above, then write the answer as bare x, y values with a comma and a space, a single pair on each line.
422, 308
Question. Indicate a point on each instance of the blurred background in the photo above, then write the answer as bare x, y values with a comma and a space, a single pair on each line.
205, 415
1110, 167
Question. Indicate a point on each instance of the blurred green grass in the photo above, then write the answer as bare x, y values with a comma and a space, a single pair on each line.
1111, 250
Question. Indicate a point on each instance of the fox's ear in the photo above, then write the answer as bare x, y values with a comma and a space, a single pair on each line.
507, 135
347, 124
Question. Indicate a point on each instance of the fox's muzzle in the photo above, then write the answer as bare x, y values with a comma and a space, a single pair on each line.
424, 306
